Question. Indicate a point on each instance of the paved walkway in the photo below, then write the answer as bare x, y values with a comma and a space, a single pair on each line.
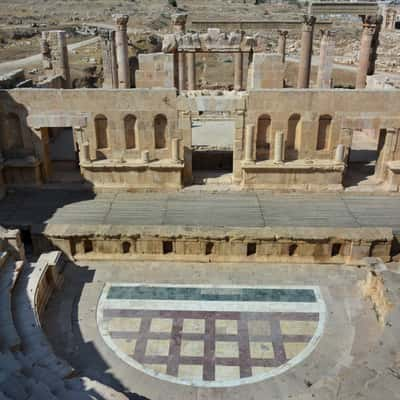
236, 209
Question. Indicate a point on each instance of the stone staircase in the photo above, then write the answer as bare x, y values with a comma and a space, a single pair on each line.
29, 369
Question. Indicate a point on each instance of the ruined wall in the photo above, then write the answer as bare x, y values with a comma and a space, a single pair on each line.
122, 162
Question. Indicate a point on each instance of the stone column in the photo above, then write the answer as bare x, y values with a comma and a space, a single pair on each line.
175, 149
375, 44
84, 152
279, 146
191, 70
110, 71
145, 156
367, 37
238, 77
179, 27
249, 143
340, 153
121, 43
326, 55
282, 44
303, 80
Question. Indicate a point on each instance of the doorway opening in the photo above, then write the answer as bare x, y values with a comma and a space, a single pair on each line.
364, 153
63, 156
212, 151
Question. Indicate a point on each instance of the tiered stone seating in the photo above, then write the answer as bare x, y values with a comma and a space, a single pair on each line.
9, 272
29, 369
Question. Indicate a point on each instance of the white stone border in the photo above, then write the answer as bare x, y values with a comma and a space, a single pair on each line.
312, 344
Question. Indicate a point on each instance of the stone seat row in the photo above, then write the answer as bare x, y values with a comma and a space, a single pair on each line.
29, 369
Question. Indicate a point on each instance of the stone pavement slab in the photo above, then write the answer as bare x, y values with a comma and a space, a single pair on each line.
230, 209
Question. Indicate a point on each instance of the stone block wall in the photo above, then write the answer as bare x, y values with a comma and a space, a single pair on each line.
293, 245
156, 70
266, 71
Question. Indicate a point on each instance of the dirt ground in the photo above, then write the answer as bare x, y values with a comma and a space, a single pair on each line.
22, 21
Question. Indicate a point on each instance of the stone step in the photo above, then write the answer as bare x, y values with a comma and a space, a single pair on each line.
9, 338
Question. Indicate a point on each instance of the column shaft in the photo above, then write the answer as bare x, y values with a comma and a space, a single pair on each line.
279, 146
191, 70
181, 71
249, 143
365, 53
238, 77
282, 44
307, 34
121, 43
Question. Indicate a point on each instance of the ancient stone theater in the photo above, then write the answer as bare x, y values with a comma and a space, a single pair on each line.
167, 237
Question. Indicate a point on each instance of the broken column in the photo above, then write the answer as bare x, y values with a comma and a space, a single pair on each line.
55, 55
238, 75
121, 43
326, 56
368, 33
303, 80
249, 143
282, 44
279, 146
191, 70
110, 71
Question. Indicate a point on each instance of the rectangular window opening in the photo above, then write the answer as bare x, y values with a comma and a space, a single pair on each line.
167, 247
251, 249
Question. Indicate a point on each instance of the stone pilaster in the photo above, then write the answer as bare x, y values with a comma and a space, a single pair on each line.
282, 44
307, 34
110, 70
121, 43
326, 58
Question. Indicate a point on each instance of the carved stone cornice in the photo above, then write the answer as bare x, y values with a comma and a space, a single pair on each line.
214, 41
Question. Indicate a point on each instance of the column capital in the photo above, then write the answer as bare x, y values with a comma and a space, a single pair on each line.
308, 22
371, 20
179, 21
121, 20
106, 34
328, 33
282, 32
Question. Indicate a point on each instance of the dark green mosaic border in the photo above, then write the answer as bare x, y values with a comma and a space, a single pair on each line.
214, 294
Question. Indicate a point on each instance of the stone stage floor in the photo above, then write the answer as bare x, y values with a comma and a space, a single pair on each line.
160, 330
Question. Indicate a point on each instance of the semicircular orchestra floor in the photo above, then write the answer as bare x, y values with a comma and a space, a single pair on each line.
161, 330
211, 336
